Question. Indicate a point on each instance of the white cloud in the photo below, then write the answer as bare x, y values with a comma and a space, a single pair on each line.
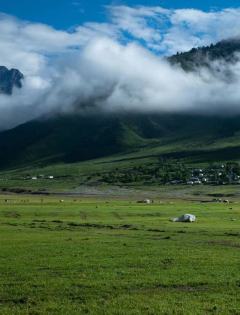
169, 31
116, 65
28, 46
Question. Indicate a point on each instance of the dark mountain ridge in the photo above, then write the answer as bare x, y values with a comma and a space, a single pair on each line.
10, 79
75, 138
227, 50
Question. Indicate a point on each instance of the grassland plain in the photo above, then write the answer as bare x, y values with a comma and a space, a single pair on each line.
115, 256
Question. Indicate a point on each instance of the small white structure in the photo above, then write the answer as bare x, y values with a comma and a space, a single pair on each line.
34, 178
185, 218
51, 177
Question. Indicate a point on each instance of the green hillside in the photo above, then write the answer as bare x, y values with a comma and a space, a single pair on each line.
79, 138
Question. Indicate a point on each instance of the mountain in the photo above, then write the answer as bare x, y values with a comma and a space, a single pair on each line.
74, 138
65, 138
78, 138
10, 79
226, 50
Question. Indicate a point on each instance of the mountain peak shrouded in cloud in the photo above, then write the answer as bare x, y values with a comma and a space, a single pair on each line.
226, 51
121, 65
10, 79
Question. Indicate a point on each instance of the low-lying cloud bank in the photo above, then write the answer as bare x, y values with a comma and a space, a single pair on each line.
118, 65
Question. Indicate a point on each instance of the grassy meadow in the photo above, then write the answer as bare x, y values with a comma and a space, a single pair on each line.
115, 256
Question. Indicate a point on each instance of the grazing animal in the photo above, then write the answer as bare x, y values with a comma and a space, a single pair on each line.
185, 218
147, 201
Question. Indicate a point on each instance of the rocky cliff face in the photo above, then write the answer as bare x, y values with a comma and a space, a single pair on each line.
9, 79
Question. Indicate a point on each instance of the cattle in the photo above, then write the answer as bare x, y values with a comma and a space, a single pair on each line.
185, 218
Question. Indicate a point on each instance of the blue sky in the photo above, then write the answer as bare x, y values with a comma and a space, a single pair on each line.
66, 13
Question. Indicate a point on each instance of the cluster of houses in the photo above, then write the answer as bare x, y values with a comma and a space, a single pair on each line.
220, 175
198, 177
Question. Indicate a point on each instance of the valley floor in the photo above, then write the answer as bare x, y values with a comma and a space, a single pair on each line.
106, 255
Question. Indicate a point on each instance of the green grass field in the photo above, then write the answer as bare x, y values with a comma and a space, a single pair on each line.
114, 256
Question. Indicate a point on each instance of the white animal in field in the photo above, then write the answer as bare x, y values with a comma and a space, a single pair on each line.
147, 201
185, 218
